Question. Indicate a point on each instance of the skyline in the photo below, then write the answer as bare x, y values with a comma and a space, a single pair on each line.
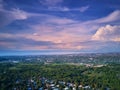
59, 25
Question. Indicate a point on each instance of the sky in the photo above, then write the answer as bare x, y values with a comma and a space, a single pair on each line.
31, 26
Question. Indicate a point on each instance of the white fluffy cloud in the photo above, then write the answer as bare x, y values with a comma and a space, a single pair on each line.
107, 33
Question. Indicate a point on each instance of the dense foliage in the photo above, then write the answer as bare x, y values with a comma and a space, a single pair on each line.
17, 75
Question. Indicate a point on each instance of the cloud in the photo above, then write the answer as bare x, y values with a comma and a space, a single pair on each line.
66, 9
61, 21
36, 42
50, 3
84, 8
1, 4
19, 14
107, 33
58, 8
52, 32
100, 46
11, 38
8, 16
112, 17
12, 41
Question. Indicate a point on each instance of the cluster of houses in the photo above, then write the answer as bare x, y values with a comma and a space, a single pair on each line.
47, 84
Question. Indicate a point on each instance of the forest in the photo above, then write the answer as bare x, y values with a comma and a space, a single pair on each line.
20, 76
